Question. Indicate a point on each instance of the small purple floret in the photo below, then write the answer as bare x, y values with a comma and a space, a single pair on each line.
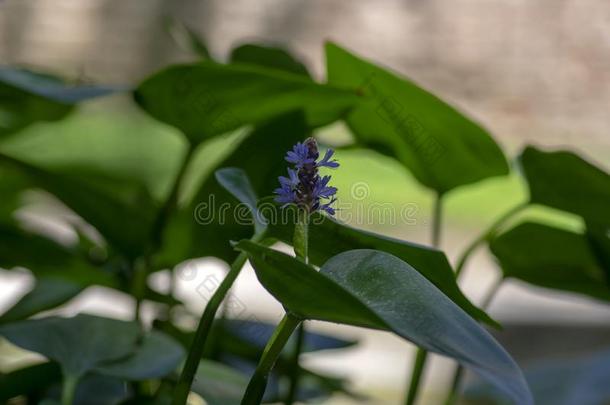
304, 186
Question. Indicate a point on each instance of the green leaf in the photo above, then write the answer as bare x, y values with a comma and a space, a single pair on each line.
236, 182
219, 384
28, 380
78, 344
155, 357
208, 99
268, 56
27, 97
439, 145
552, 258
328, 237
124, 219
46, 294
376, 290
565, 181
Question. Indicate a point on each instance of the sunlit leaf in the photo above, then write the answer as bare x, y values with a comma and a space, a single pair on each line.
376, 290
441, 147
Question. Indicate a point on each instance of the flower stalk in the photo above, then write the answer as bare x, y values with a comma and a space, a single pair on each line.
305, 188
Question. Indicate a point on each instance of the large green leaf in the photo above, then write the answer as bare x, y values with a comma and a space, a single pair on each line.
552, 258
27, 97
156, 356
78, 344
328, 237
440, 146
47, 293
123, 218
377, 290
565, 181
268, 56
208, 99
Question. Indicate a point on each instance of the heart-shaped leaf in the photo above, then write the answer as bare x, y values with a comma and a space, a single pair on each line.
156, 356
268, 56
376, 290
440, 146
565, 181
552, 258
328, 237
78, 344
208, 99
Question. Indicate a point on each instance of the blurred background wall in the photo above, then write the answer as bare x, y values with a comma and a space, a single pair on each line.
527, 69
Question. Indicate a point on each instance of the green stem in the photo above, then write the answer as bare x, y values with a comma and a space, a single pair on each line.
420, 359
258, 383
158, 228
485, 236
68, 390
461, 264
459, 371
301, 249
185, 381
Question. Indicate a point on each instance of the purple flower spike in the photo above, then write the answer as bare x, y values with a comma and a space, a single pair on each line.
304, 186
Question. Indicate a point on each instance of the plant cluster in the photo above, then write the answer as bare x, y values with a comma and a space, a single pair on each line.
338, 273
